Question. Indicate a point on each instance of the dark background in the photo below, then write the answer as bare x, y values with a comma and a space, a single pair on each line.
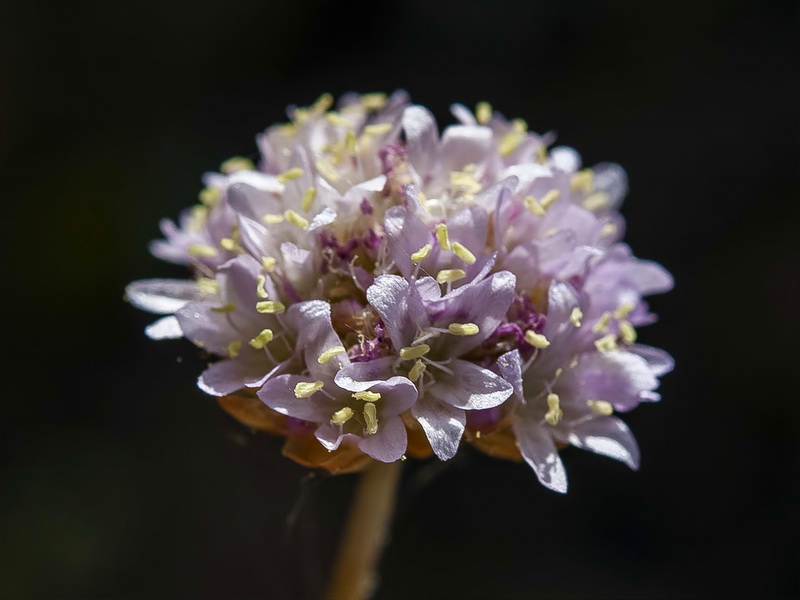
120, 479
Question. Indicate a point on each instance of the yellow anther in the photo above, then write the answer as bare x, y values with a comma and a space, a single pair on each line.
237, 163
323, 103
602, 323
261, 292
623, 310
337, 120
371, 418
288, 129
463, 328
203, 251
366, 396
595, 201
626, 332
551, 232
293, 173
296, 219
607, 343
198, 217
465, 181
600, 407
541, 154
450, 275
608, 230
207, 286
327, 170
463, 253
575, 316
350, 144
534, 206
210, 196
583, 181
423, 200
483, 112
375, 101
268, 263
511, 141
519, 125
262, 339
305, 389
554, 414
225, 308
270, 307
549, 198
230, 245
326, 356
414, 352
378, 129
272, 219
537, 340
233, 348
442, 236
421, 254
416, 371
308, 198
301, 115
342, 416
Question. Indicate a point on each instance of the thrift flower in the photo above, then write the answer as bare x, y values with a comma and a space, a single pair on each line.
374, 288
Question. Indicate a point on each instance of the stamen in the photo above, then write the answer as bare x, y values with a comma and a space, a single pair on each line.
207, 286
233, 348
326, 169
623, 310
463, 328
227, 308
541, 154
534, 206
554, 414
270, 307
374, 101
511, 141
450, 275
237, 163
549, 198
337, 120
306, 389
272, 219
203, 251
230, 245
413, 352
308, 198
342, 416
596, 201
600, 407
421, 254
268, 263
371, 418
442, 236
465, 181
608, 230
537, 340
483, 112
583, 181
296, 219
416, 371
350, 144
210, 196
378, 128
607, 343
366, 396
626, 332
323, 103
575, 316
260, 291
326, 356
262, 339
463, 253
293, 173
602, 323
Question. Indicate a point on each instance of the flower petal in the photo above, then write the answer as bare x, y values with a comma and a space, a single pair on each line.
389, 443
539, 451
470, 387
401, 311
161, 296
166, 328
443, 425
608, 436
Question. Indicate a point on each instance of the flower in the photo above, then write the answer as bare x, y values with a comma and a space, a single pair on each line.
373, 289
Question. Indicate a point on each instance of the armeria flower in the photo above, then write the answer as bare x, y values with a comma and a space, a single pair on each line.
373, 288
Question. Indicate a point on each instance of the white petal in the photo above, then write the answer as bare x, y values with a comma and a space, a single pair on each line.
166, 328
161, 296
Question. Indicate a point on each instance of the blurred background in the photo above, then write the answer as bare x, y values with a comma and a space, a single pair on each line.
120, 479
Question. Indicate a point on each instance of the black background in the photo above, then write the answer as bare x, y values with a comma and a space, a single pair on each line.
121, 479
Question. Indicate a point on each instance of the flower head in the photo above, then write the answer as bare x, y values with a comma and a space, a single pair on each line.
375, 288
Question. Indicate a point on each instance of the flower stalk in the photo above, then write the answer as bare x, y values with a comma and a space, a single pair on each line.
354, 575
